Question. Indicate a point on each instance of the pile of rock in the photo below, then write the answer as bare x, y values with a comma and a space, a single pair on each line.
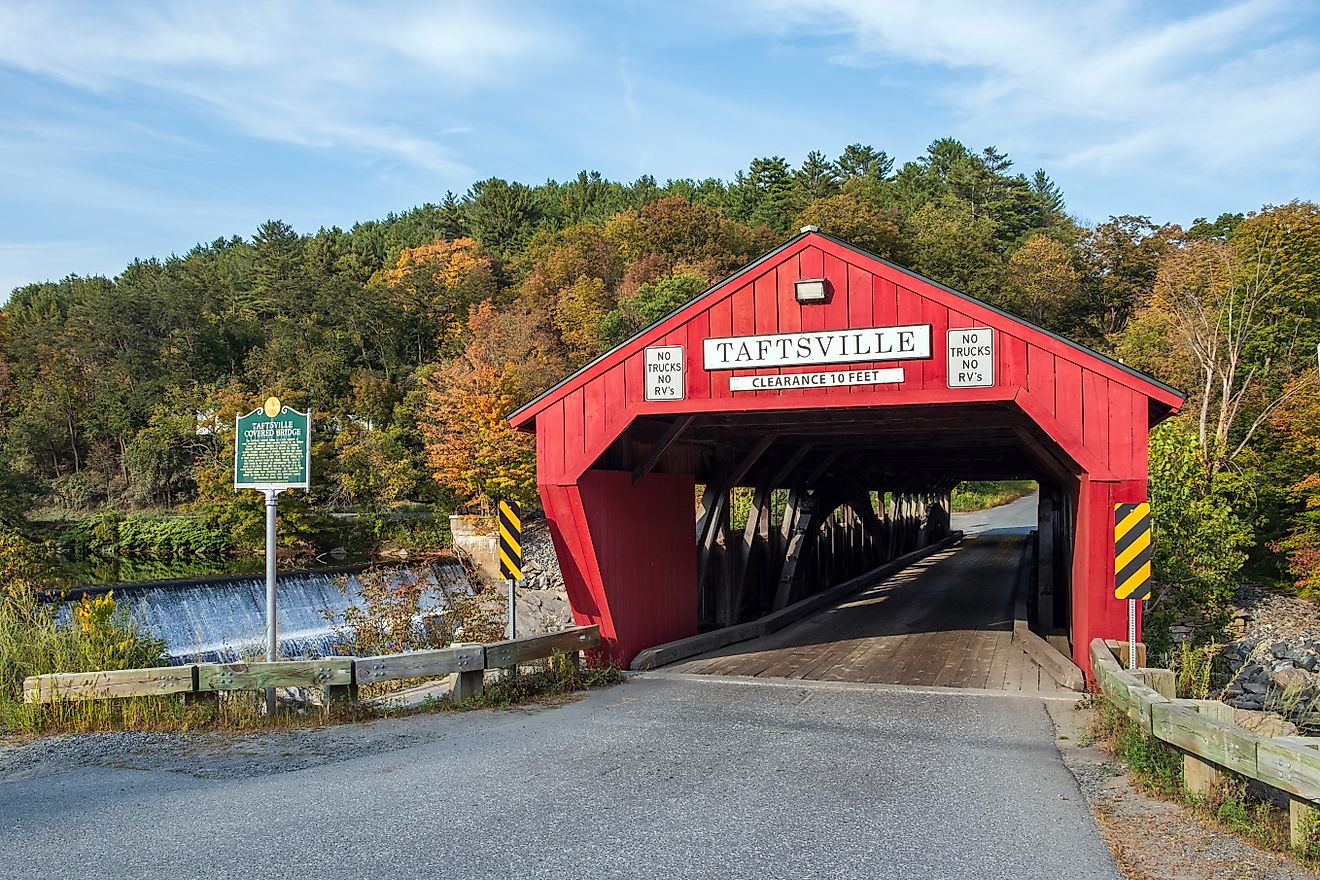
540, 565
1276, 652
542, 599
1264, 668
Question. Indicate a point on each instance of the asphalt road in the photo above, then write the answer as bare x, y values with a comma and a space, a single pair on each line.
1019, 516
658, 777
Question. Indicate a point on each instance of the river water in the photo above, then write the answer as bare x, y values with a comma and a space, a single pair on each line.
224, 619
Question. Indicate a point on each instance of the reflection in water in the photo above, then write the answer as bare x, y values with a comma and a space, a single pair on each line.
93, 571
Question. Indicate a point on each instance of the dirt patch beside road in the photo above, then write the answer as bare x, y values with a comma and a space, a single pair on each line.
1151, 838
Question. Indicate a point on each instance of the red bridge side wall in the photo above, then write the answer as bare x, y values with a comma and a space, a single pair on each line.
629, 557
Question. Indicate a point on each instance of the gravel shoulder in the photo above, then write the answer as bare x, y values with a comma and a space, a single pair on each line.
1151, 838
236, 755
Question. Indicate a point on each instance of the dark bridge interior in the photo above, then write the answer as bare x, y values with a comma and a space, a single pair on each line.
794, 502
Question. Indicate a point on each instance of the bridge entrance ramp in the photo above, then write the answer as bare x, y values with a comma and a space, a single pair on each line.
946, 621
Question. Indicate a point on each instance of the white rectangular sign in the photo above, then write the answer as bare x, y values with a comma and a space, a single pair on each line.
971, 357
816, 380
664, 373
822, 347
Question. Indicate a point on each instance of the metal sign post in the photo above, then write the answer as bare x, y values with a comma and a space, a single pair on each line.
1132, 633
272, 637
511, 558
272, 452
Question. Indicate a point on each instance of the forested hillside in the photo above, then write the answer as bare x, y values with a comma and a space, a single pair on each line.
412, 336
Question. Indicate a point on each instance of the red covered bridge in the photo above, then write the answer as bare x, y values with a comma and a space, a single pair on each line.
848, 395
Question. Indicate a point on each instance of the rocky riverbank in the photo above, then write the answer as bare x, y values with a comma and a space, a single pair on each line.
1274, 658
542, 600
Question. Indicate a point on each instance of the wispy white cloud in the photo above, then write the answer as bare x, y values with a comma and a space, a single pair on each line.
331, 75
1106, 84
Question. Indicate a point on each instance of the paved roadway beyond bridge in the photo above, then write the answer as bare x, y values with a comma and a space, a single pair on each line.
664, 776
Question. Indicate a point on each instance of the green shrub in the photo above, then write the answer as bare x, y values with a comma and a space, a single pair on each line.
420, 535
1200, 542
111, 533
1155, 766
984, 494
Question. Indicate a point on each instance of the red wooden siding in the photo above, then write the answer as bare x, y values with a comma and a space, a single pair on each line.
1096, 413
604, 527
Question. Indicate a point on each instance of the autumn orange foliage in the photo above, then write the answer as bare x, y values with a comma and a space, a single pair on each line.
470, 448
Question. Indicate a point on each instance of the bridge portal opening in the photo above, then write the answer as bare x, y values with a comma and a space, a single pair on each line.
826, 436
796, 504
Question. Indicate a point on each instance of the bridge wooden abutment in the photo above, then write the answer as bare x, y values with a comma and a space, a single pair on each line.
804, 421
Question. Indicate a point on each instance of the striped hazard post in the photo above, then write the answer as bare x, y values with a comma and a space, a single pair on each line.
511, 556
510, 541
1132, 553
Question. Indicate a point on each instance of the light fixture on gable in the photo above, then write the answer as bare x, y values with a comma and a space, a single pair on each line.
811, 290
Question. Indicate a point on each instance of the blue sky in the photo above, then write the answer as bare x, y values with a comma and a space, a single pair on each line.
138, 129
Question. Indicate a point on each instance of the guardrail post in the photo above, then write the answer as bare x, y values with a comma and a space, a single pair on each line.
1302, 824
1120, 650
468, 685
1201, 778
197, 697
339, 694
1161, 681
572, 661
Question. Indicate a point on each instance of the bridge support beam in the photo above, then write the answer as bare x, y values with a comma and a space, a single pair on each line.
1047, 519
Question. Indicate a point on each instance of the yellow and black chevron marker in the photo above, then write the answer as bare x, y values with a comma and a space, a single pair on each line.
511, 558
1132, 551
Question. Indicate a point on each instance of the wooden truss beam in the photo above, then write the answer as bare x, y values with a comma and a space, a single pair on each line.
659, 447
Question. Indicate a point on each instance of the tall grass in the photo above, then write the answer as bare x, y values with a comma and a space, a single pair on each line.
984, 494
34, 641
1157, 768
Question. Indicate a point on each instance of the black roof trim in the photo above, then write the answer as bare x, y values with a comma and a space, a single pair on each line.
705, 293
1087, 350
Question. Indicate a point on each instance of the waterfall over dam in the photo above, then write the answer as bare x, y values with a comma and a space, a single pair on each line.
224, 619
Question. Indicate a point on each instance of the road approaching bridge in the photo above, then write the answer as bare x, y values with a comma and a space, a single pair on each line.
689, 778
664, 776
946, 621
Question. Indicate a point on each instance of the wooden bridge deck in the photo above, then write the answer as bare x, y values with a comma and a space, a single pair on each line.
946, 621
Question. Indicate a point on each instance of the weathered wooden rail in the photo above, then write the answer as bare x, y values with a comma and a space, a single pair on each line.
339, 677
1203, 730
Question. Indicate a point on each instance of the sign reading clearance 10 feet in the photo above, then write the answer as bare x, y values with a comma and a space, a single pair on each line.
970, 358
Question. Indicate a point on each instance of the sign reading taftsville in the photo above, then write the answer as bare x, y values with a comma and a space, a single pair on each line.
823, 347
970, 352
272, 452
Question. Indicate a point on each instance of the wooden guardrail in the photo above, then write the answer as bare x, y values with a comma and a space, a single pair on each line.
337, 676
1203, 730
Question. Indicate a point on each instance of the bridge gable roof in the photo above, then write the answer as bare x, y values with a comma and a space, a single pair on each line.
758, 299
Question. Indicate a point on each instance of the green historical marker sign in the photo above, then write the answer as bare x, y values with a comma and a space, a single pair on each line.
273, 448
